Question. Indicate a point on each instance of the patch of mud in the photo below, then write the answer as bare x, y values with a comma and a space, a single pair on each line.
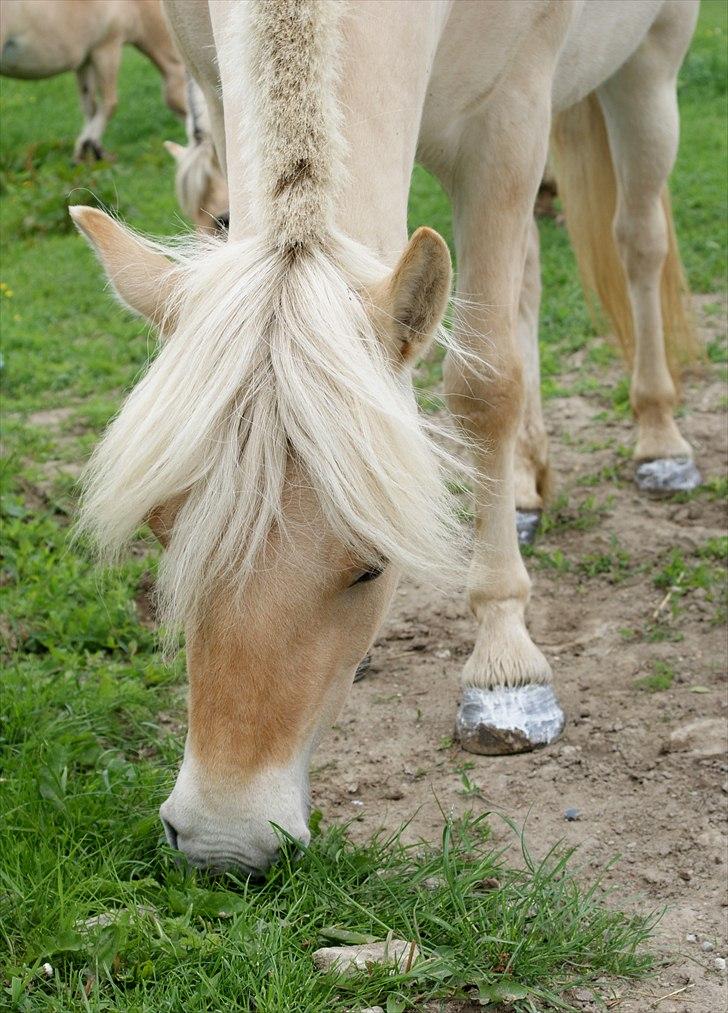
390, 758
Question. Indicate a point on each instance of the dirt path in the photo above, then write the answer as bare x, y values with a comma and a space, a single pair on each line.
664, 811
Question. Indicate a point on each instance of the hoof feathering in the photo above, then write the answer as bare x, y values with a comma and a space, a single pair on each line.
667, 474
508, 720
527, 525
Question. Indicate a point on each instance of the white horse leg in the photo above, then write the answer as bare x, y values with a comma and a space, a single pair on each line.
641, 114
100, 75
507, 702
532, 448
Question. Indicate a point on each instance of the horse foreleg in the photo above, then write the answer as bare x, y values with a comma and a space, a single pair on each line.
532, 448
97, 81
641, 115
507, 702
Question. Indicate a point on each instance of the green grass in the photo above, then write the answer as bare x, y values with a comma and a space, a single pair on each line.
90, 731
660, 679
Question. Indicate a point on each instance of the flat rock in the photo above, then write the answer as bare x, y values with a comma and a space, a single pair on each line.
703, 738
396, 953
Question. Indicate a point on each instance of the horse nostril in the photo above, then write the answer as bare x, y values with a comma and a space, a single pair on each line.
170, 833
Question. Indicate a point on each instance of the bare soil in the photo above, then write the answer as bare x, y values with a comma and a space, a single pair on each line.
391, 758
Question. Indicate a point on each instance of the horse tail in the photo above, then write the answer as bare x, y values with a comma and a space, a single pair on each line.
588, 189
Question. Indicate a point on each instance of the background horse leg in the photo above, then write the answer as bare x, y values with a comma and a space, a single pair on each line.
507, 702
642, 120
532, 448
101, 71
86, 81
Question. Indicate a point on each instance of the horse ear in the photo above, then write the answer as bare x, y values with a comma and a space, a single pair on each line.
142, 278
175, 150
410, 304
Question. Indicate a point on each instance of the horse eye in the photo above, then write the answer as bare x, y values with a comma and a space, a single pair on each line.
368, 575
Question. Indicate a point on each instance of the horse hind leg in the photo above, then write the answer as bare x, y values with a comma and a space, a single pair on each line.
532, 451
641, 116
97, 83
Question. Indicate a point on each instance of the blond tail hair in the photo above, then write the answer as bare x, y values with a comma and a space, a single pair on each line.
588, 189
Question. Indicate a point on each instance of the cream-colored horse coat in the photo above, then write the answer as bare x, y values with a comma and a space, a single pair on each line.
294, 334
41, 38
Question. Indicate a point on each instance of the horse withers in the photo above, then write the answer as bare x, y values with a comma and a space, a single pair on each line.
274, 445
42, 38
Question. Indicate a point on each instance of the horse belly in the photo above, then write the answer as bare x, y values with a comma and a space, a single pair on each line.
41, 38
604, 34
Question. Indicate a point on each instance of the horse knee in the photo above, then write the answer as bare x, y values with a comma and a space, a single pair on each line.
642, 242
486, 399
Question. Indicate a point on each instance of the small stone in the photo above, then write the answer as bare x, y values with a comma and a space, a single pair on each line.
372, 1009
719, 964
48, 970
707, 946
398, 954
655, 877
583, 995
394, 793
571, 814
691, 938
444, 654
490, 883
352, 788
701, 739
685, 874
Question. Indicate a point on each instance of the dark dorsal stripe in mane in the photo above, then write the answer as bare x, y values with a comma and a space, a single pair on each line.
293, 67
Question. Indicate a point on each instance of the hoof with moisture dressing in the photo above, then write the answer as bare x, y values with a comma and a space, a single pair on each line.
667, 474
512, 719
527, 525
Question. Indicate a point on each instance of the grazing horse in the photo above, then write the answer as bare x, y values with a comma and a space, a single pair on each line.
273, 444
42, 38
199, 181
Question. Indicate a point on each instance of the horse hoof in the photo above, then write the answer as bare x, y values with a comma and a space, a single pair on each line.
514, 719
527, 525
89, 150
363, 668
667, 474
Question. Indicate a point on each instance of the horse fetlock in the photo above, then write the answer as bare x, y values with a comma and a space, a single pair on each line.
504, 654
658, 436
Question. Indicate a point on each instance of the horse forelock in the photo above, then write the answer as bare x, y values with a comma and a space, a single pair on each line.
274, 360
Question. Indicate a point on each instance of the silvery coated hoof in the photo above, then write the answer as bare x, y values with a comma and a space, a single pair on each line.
667, 474
363, 668
527, 525
495, 722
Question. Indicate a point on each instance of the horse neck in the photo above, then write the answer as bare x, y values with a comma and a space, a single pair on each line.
385, 55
